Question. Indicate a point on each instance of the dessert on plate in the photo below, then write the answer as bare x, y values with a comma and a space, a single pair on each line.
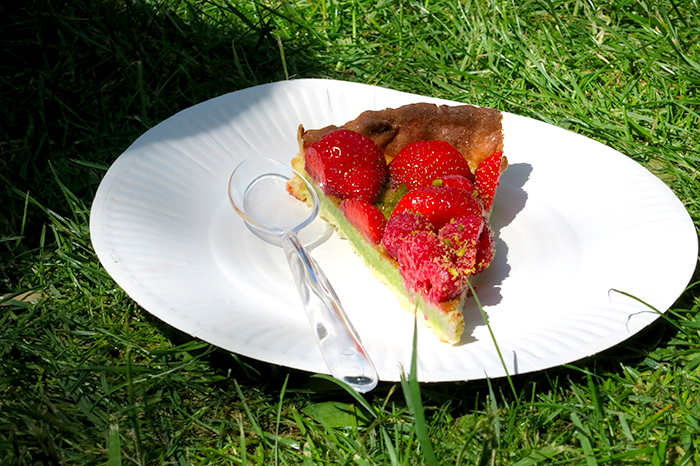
411, 189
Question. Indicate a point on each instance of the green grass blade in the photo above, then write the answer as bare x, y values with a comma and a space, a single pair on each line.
412, 394
357, 396
277, 421
584, 437
114, 446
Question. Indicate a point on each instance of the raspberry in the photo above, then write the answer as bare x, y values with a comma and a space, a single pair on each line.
462, 236
485, 249
401, 225
424, 262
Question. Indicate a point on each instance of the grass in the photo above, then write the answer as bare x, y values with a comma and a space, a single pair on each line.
88, 377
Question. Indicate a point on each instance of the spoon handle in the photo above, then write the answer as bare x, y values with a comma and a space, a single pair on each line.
338, 341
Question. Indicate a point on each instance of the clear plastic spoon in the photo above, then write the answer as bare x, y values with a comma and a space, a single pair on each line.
257, 190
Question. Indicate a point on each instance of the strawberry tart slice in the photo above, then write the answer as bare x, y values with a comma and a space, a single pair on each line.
411, 189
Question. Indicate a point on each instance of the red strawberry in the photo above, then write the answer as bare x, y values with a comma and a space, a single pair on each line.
462, 236
485, 249
455, 181
401, 225
421, 162
487, 177
346, 164
425, 266
366, 217
440, 205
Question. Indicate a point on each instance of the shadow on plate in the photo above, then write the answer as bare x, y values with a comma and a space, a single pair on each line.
510, 200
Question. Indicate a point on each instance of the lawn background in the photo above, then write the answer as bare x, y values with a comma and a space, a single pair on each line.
88, 377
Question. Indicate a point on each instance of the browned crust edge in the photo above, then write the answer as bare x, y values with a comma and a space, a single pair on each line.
474, 131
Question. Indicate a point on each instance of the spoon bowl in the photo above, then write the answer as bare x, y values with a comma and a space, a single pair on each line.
257, 190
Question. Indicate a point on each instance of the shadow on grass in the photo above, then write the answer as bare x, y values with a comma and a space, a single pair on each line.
81, 80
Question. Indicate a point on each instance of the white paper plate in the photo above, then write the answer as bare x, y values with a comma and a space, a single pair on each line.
575, 219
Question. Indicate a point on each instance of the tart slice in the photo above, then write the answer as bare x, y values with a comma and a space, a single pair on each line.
411, 189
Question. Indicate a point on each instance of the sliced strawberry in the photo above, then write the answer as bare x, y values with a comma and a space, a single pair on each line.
366, 217
485, 249
424, 262
440, 205
346, 164
401, 225
462, 236
487, 177
421, 162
